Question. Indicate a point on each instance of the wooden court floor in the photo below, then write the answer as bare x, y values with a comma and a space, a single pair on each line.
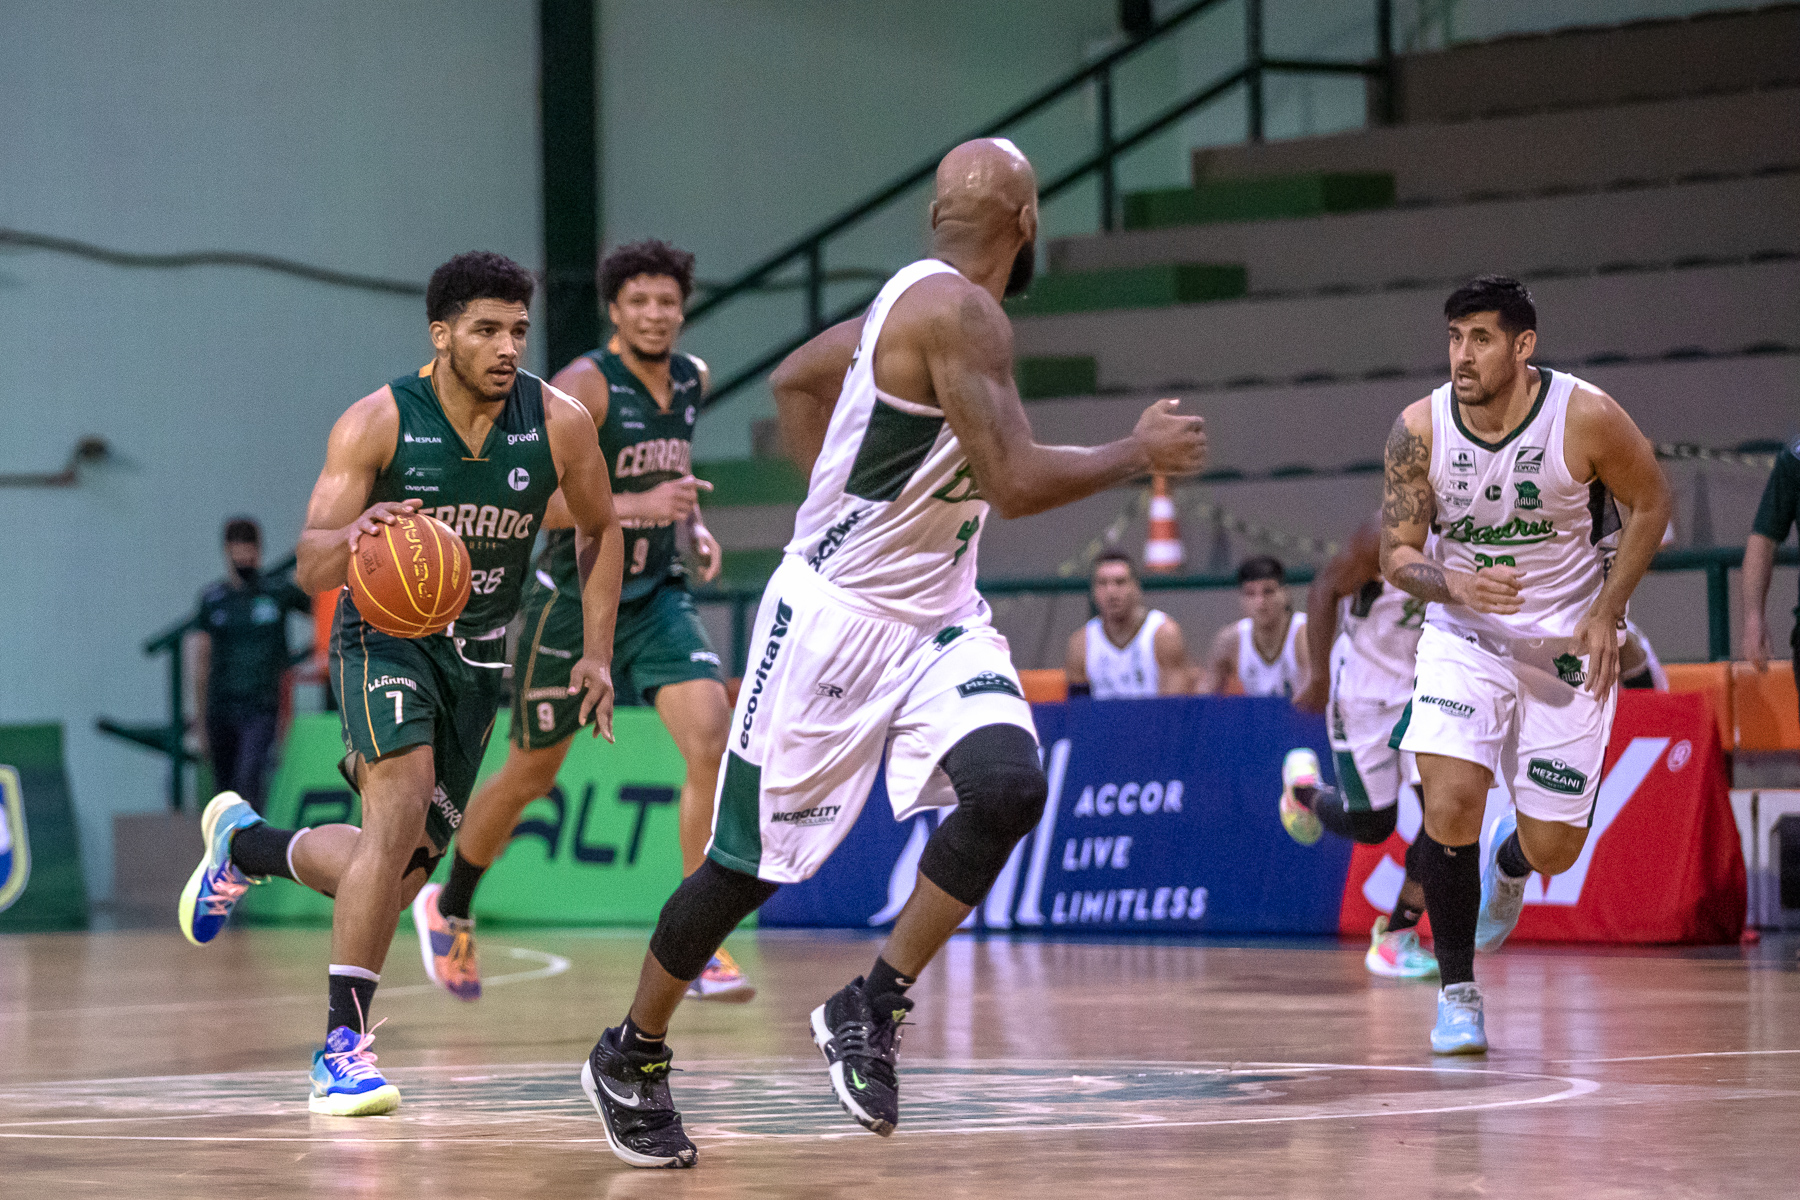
135, 1065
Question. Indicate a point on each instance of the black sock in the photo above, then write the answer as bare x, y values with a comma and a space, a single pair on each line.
1451, 876
459, 889
883, 980
351, 996
633, 1040
1406, 915
1327, 804
1511, 857
260, 851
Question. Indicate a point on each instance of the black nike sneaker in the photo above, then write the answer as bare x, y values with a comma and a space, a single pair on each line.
860, 1036
631, 1094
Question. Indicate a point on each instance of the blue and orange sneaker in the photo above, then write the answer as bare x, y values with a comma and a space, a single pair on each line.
345, 1080
447, 944
216, 886
722, 980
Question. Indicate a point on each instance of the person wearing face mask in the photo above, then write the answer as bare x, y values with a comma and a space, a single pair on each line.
240, 650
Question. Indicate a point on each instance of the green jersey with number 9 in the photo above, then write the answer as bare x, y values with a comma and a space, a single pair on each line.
644, 446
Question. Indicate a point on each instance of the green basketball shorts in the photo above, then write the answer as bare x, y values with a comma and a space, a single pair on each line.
659, 641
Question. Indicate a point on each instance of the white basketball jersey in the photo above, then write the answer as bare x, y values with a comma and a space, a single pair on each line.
1261, 677
1377, 643
1123, 672
1513, 503
892, 513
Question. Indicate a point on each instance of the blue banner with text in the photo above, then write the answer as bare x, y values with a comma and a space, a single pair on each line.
1162, 819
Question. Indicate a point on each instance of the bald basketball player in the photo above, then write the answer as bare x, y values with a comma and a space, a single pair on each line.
871, 635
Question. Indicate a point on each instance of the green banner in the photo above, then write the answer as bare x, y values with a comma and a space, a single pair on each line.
601, 849
41, 833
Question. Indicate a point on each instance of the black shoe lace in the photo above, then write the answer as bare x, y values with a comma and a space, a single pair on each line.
873, 1045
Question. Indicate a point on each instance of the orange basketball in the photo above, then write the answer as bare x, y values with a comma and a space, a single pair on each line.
411, 578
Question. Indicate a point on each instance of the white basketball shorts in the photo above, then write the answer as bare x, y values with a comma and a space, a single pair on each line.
1370, 773
1522, 714
831, 685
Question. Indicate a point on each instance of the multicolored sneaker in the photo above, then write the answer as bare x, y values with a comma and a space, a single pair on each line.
345, 1081
722, 981
1461, 1027
216, 886
1502, 896
447, 944
631, 1094
860, 1037
1398, 955
1300, 778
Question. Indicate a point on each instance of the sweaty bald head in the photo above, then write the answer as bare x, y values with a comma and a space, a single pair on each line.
986, 203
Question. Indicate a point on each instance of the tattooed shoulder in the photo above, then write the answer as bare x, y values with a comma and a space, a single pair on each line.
1407, 455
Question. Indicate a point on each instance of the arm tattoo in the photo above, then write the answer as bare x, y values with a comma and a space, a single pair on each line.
1424, 580
1406, 494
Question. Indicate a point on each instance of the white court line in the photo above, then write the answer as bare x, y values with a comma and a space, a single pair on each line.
1576, 1062
554, 964
1575, 1088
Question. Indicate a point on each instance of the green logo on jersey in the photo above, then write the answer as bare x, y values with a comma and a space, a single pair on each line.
947, 636
1492, 492
962, 486
1569, 669
968, 530
1528, 496
1555, 775
988, 681
1412, 614
1516, 532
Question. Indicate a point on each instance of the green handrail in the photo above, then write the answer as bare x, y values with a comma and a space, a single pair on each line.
1717, 562
808, 250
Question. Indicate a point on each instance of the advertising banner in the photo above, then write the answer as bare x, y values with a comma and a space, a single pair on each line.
1161, 819
1663, 860
601, 849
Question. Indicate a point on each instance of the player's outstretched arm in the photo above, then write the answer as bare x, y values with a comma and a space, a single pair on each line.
1349, 570
1408, 507
361, 444
599, 551
968, 350
1175, 675
806, 387
1602, 435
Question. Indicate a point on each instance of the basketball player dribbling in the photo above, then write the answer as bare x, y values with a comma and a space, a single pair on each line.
1515, 470
644, 398
482, 445
871, 637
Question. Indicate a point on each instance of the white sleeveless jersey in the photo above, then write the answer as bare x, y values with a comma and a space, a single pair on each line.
892, 513
1261, 677
1128, 672
1377, 644
1513, 503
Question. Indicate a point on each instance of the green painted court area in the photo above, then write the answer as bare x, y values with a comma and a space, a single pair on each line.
601, 849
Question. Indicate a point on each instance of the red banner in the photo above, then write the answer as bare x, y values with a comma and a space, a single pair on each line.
1663, 862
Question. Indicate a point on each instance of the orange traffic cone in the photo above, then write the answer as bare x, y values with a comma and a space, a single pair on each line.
1163, 552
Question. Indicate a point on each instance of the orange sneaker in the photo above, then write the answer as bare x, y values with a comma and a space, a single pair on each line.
722, 980
447, 944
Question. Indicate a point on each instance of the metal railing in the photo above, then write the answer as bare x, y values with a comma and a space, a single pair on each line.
808, 252
168, 738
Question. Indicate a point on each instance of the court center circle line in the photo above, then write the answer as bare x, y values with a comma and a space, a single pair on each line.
1575, 1088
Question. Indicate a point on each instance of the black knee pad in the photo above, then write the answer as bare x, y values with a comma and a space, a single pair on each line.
1000, 792
422, 860
1374, 828
703, 911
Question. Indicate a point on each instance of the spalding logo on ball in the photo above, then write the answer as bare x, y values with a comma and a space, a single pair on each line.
411, 578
